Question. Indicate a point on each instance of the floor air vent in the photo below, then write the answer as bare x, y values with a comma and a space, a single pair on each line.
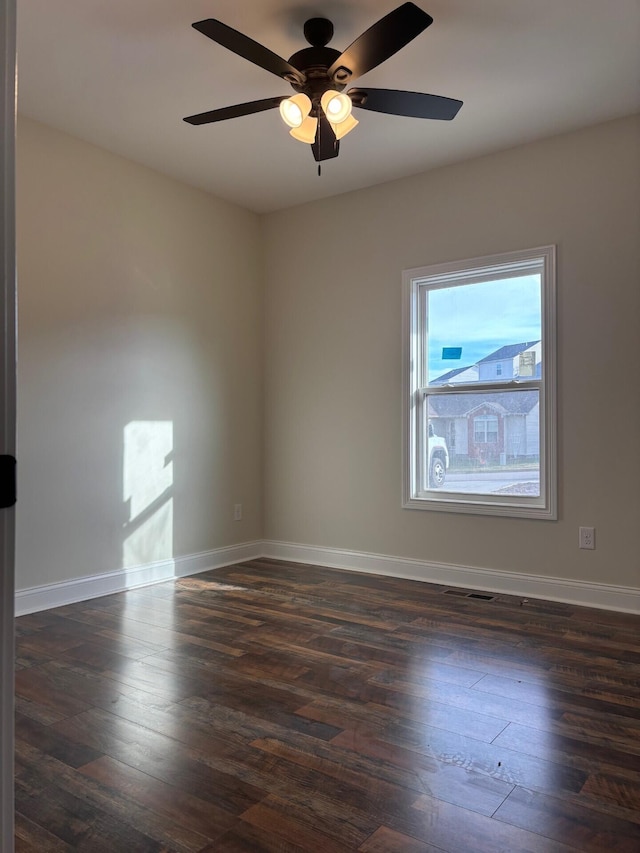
462, 594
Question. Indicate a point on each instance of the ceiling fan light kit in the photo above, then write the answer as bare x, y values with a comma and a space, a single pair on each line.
337, 107
344, 127
295, 110
319, 113
307, 130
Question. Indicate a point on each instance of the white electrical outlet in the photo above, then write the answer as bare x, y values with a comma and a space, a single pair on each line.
237, 512
587, 538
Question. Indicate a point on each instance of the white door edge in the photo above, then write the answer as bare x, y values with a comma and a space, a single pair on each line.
7, 409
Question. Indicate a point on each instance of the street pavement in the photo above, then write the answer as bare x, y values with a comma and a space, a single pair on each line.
492, 482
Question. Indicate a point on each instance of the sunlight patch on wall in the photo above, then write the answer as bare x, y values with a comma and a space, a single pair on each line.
148, 492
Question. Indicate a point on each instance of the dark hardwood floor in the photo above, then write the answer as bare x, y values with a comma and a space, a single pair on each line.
277, 707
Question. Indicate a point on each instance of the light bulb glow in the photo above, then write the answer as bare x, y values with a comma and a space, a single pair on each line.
291, 113
294, 110
336, 106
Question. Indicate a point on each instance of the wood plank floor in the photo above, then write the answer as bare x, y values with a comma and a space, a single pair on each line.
281, 708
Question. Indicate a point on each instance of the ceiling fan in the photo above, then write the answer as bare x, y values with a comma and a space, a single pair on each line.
319, 113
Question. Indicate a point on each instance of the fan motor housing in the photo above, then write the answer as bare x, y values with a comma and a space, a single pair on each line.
314, 62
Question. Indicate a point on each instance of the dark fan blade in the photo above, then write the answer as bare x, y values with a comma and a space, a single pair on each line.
399, 103
235, 111
249, 49
380, 42
326, 146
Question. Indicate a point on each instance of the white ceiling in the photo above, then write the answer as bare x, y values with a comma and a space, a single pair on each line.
122, 74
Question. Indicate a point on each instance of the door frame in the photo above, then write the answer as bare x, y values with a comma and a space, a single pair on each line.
8, 93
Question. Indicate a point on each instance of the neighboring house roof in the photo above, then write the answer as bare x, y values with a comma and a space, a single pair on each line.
447, 377
503, 354
508, 351
461, 405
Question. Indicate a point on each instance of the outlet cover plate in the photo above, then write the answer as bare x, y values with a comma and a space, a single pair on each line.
587, 538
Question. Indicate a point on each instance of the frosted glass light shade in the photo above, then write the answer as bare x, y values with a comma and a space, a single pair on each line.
344, 127
294, 110
336, 106
307, 130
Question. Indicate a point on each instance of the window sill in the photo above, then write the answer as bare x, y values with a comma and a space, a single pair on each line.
534, 508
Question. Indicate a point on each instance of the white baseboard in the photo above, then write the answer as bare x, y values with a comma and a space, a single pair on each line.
51, 595
196, 563
603, 596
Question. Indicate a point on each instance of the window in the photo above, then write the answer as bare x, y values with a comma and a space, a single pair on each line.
479, 386
485, 429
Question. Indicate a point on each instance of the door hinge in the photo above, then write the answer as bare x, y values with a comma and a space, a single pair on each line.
8, 495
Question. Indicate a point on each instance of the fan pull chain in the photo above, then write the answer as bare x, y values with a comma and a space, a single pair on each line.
319, 170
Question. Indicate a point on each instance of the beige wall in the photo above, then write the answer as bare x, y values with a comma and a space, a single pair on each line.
140, 325
333, 373
142, 306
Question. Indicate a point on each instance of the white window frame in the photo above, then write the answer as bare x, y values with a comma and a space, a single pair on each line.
540, 260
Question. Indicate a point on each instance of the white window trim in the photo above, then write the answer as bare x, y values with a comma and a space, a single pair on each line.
486, 268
